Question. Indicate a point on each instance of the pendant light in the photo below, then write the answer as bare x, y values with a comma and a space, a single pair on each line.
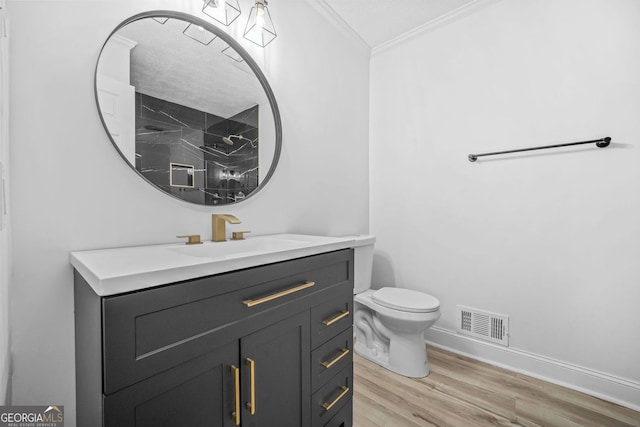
260, 29
223, 11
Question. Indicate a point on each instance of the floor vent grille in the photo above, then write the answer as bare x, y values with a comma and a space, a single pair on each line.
483, 325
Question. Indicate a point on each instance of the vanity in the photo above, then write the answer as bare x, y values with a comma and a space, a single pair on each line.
253, 333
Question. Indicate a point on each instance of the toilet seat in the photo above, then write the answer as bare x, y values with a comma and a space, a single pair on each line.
406, 300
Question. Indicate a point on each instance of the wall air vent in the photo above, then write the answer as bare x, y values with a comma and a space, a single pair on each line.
483, 325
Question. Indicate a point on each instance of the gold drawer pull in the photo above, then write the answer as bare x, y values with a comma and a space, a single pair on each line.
251, 405
328, 406
330, 322
236, 376
251, 303
343, 353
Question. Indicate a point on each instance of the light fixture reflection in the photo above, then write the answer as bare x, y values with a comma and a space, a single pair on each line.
199, 34
260, 29
231, 53
223, 11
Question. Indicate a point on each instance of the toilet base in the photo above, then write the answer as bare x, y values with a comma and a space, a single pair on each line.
393, 339
414, 369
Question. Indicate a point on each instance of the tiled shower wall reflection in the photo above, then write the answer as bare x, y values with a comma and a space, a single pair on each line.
171, 133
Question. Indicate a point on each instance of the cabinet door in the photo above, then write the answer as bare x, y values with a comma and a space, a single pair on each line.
276, 374
197, 393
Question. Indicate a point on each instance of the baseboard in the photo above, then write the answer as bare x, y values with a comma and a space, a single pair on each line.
595, 383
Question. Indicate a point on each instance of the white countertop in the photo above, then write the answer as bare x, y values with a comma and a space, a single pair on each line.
119, 270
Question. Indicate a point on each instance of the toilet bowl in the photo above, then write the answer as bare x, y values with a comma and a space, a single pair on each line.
389, 323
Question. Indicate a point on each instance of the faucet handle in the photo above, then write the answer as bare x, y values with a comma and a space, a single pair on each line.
238, 235
193, 239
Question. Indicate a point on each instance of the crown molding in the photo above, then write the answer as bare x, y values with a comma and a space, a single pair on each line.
459, 12
332, 16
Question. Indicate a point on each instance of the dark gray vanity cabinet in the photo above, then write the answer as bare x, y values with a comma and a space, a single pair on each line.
277, 379
195, 393
264, 346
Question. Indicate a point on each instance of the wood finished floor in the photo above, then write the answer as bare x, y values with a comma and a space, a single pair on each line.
462, 392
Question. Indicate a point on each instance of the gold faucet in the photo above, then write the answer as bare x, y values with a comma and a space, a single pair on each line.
218, 225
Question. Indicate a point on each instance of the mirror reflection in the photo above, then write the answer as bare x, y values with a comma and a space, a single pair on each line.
181, 175
188, 109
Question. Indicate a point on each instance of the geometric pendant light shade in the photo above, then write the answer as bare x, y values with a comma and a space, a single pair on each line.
260, 29
231, 53
223, 11
199, 34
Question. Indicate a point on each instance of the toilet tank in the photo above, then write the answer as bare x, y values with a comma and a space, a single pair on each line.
363, 262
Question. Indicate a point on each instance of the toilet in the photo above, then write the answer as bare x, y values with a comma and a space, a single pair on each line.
389, 323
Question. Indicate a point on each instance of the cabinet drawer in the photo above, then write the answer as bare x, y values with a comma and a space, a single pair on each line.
344, 417
331, 357
149, 331
333, 316
331, 397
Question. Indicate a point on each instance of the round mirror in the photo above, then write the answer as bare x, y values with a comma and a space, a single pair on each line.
188, 108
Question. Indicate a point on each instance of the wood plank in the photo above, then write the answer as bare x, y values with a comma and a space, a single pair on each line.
611, 410
412, 400
461, 391
369, 411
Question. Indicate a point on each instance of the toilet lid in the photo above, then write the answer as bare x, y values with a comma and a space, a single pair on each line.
406, 300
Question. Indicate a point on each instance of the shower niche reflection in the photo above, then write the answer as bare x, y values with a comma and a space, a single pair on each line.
181, 175
194, 155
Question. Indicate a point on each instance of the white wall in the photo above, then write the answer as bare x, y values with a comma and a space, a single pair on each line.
549, 238
5, 253
72, 191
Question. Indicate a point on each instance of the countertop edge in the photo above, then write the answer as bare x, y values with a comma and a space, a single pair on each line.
119, 284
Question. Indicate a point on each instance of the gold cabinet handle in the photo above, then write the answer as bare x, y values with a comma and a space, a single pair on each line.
343, 353
251, 405
236, 376
251, 302
330, 322
328, 406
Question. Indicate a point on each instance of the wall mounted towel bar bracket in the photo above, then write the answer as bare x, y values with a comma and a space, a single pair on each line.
603, 142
